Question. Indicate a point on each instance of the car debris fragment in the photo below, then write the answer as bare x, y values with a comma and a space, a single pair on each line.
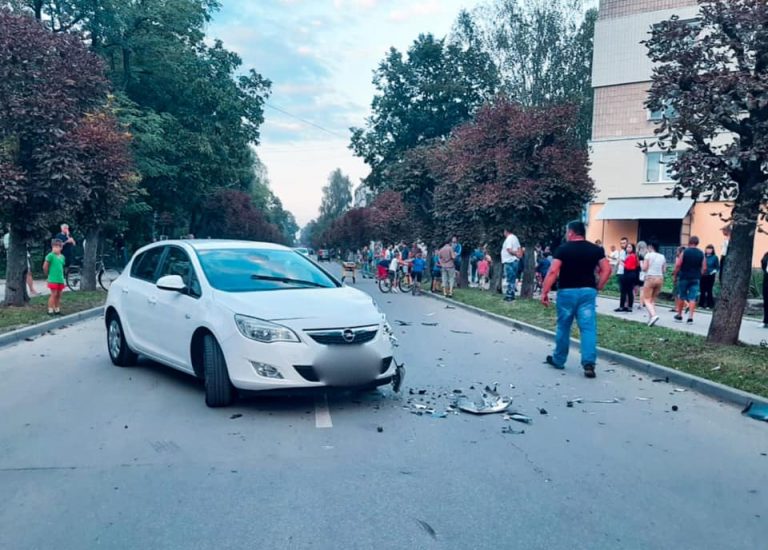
572, 402
517, 417
461, 331
399, 376
756, 411
491, 403
511, 431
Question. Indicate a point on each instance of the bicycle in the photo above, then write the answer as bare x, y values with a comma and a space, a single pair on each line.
382, 279
404, 280
105, 276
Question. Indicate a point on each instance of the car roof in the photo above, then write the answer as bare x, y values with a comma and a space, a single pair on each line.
216, 244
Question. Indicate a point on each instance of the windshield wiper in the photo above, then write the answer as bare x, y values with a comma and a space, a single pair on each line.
287, 280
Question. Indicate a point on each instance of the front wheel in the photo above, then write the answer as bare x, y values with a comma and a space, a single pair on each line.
406, 284
385, 285
219, 391
119, 352
73, 278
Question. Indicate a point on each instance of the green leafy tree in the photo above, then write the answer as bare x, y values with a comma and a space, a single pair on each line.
420, 97
543, 50
712, 73
337, 196
48, 82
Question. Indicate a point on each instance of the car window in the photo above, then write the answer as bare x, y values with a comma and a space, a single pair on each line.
177, 262
145, 265
249, 269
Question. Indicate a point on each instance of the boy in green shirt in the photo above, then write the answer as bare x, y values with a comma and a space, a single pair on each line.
54, 270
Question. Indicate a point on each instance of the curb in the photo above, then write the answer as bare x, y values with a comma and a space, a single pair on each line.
10, 338
706, 387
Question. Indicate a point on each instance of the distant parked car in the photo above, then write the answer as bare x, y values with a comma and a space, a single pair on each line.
323, 255
246, 315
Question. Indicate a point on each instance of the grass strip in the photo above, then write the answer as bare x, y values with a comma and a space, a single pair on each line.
742, 366
36, 311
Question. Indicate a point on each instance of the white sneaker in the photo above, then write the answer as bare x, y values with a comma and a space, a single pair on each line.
653, 321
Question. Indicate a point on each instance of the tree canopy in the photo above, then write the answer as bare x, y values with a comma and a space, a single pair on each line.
711, 79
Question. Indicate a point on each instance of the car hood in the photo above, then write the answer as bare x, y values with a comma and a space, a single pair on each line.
305, 308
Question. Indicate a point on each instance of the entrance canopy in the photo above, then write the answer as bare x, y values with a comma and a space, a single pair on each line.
654, 208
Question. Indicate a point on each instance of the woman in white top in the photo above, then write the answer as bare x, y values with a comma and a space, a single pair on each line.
654, 265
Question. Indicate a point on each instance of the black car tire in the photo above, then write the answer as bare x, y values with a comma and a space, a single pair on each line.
119, 352
219, 391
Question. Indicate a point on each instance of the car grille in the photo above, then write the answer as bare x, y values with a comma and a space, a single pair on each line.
336, 337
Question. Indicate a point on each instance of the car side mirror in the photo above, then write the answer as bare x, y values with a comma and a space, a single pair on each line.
171, 282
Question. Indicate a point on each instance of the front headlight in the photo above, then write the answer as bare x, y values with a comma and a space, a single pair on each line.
264, 331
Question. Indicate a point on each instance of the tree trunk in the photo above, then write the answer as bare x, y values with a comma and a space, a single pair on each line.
15, 285
90, 250
729, 309
529, 274
497, 274
463, 279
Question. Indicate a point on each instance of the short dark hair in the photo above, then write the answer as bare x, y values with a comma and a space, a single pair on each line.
654, 245
578, 228
694, 240
56, 242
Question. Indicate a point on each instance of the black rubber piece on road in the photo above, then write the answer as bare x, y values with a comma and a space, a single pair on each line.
126, 357
219, 391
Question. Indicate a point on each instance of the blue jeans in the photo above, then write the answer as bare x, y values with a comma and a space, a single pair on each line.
510, 272
578, 303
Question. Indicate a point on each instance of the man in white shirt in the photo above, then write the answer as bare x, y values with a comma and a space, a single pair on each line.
510, 259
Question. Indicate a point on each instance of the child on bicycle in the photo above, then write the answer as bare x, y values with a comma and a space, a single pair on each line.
53, 267
417, 272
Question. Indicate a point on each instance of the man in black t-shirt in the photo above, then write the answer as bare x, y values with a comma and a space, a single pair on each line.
689, 268
573, 267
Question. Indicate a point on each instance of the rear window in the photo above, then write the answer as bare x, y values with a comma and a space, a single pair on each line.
145, 265
250, 269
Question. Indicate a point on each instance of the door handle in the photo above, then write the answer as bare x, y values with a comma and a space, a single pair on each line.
152, 300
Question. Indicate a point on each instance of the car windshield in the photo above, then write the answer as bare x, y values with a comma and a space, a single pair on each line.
256, 269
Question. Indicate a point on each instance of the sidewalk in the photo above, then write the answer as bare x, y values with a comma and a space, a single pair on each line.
752, 332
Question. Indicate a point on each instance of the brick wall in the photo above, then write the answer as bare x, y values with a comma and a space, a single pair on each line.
620, 112
610, 9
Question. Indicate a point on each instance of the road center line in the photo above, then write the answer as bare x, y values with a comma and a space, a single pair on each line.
322, 413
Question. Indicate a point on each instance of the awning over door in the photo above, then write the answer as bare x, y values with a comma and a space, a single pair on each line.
656, 208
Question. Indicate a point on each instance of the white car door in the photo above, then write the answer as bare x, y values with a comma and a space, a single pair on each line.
177, 314
137, 295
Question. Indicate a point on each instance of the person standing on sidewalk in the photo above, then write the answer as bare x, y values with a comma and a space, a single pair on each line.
707, 298
574, 266
53, 267
510, 259
628, 279
621, 258
654, 265
689, 268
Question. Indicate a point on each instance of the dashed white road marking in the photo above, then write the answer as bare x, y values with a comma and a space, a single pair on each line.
322, 413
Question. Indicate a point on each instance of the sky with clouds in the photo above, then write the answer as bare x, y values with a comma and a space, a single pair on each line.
319, 55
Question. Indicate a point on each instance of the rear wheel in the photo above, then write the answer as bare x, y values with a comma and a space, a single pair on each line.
385, 285
119, 352
73, 278
406, 283
219, 391
106, 277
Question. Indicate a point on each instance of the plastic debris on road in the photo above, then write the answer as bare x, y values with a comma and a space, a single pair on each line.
430, 324
461, 332
517, 417
758, 412
491, 403
572, 402
402, 323
511, 431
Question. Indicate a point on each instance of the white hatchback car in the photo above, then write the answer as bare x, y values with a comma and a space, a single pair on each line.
247, 315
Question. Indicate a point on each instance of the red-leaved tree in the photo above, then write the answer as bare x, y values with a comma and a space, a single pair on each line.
48, 82
231, 214
517, 167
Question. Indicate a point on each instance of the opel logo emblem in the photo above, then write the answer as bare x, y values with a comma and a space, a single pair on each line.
348, 335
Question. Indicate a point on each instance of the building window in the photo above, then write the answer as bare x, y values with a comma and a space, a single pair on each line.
668, 111
659, 166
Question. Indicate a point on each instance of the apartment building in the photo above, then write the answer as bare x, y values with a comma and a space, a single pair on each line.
633, 186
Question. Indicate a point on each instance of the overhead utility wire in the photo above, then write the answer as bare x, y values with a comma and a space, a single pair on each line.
286, 113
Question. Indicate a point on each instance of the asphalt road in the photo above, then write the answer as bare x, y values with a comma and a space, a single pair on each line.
94, 456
